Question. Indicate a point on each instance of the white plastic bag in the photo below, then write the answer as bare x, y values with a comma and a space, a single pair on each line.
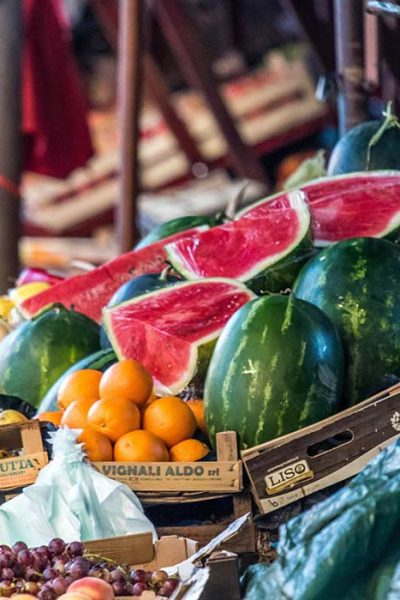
71, 500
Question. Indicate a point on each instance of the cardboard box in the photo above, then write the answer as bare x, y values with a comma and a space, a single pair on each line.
225, 475
314, 458
19, 471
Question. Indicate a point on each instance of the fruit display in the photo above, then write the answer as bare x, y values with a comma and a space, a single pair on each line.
121, 419
172, 331
38, 352
266, 251
48, 572
356, 284
277, 367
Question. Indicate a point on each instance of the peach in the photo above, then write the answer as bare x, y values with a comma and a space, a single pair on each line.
23, 597
74, 596
94, 588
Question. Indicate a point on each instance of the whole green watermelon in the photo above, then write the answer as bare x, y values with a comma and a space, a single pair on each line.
276, 368
357, 284
38, 352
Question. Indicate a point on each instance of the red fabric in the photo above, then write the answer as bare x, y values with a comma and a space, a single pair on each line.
56, 134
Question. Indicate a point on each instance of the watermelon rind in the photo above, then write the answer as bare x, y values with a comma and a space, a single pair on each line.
277, 367
298, 202
200, 350
165, 230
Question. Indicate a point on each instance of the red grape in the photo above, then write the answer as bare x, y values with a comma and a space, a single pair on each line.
18, 546
56, 546
49, 574
59, 566
96, 572
163, 591
6, 559
24, 557
7, 588
44, 550
171, 583
75, 549
139, 587
59, 585
4, 547
117, 575
79, 568
46, 593
119, 588
138, 576
7, 573
40, 561
158, 577
31, 574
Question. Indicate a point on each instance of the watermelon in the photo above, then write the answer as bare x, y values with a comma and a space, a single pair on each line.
90, 292
348, 206
266, 251
369, 146
277, 367
181, 224
356, 283
136, 287
100, 361
172, 331
38, 352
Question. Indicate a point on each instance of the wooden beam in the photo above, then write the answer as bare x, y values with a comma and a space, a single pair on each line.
349, 48
319, 33
188, 50
10, 138
129, 94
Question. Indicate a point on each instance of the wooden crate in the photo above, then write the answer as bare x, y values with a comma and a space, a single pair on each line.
225, 475
297, 465
20, 471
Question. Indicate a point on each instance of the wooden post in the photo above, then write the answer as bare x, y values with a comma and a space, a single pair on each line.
10, 138
183, 40
129, 88
349, 48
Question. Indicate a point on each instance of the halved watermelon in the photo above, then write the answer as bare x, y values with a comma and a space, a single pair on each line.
363, 204
90, 292
249, 248
171, 329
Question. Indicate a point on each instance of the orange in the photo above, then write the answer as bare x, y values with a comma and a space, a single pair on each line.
114, 417
152, 398
197, 407
127, 380
188, 451
51, 417
170, 419
81, 384
96, 445
75, 417
139, 446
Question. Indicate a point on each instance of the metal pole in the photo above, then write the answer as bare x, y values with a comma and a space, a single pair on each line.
10, 138
129, 92
349, 48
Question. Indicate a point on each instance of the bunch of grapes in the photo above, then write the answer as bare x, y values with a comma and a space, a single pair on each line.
47, 571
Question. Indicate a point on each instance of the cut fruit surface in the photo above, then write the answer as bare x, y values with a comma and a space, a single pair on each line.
245, 248
348, 206
164, 329
90, 292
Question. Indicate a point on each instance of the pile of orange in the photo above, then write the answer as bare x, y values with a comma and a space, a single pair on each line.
122, 420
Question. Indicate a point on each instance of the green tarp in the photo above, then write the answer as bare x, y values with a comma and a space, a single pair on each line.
347, 547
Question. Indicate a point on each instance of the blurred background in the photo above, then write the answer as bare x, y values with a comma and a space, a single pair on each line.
271, 62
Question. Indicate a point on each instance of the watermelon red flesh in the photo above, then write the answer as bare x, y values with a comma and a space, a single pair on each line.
164, 328
90, 292
244, 248
348, 206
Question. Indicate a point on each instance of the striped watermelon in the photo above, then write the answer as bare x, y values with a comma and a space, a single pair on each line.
347, 206
277, 367
172, 330
265, 251
90, 292
356, 283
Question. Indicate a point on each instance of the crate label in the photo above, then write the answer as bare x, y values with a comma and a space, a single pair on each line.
288, 476
161, 471
21, 471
